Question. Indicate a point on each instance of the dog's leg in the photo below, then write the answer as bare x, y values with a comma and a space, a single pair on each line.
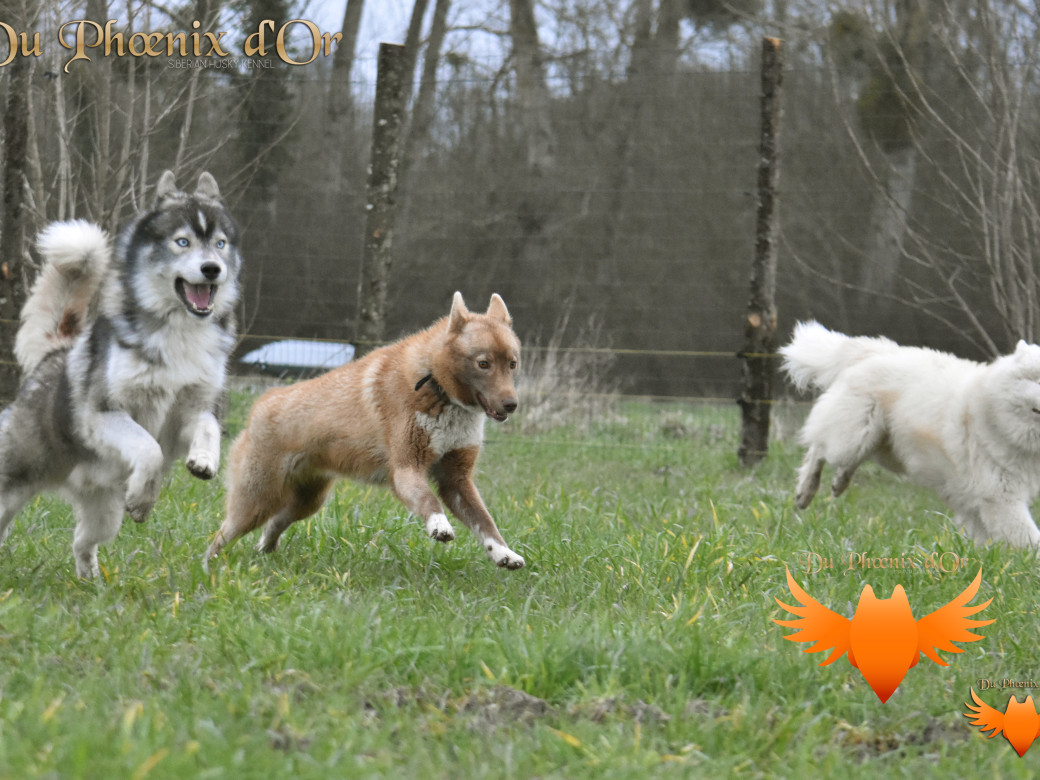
410, 486
842, 478
307, 499
455, 482
12, 499
204, 452
98, 519
971, 523
1004, 520
255, 490
117, 434
808, 477
843, 429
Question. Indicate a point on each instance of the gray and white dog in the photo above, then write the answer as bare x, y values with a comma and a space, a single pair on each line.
125, 356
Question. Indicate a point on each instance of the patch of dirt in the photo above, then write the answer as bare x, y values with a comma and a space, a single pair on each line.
864, 743
599, 710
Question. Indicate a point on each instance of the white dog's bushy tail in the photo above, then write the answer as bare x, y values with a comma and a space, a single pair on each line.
76, 255
815, 356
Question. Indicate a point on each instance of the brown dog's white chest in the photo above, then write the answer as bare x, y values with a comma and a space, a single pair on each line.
454, 428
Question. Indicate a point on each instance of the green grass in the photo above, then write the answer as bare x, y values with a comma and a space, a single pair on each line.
637, 643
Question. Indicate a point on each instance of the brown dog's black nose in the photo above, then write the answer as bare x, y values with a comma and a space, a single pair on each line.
509, 406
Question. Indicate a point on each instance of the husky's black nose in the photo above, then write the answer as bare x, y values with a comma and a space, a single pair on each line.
210, 270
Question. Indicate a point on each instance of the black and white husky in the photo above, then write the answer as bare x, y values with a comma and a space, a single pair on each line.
124, 354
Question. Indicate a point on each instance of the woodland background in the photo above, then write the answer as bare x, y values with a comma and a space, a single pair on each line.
591, 160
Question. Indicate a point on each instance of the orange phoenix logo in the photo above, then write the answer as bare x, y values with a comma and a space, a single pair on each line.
882, 639
1019, 723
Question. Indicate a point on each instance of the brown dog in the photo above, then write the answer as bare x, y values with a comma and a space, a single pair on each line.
403, 413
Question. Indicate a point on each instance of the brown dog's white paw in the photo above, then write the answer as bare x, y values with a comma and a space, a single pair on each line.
503, 556
439, 529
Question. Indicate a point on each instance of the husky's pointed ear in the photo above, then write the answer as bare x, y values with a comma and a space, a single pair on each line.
166, 187
207, 186
459, 313
497, 309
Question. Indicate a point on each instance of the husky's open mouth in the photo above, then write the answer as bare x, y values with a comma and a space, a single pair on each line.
496, 416
198, 298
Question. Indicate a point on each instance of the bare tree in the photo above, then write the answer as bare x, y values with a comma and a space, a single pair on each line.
14, 260
962, 213
412, 42
343, 60
531, 88
423, 107
892, 50
338, 115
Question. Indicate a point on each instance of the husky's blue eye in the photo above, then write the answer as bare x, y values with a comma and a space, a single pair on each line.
182, 242
221, 244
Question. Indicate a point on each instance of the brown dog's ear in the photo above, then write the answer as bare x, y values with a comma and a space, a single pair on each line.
459, 314
497, 309
207, 186
166, 187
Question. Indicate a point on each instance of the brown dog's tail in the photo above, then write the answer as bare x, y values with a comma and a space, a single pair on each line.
76, 255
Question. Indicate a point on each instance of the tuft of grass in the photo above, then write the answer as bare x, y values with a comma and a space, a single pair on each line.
637, 643
566, 382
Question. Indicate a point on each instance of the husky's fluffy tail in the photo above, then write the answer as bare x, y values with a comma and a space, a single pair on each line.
816, 356
75, 257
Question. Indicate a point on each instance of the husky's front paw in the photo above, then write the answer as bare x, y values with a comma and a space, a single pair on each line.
503, 556
439, 529
202, 464
87, 564
141, 496
139, 509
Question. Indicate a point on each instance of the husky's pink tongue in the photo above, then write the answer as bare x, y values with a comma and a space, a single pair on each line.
198, 295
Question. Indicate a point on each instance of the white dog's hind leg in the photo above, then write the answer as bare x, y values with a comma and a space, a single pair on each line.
98, 518
843, 429
204, 452
808, 477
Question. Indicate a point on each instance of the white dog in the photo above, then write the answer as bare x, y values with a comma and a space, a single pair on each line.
969, 431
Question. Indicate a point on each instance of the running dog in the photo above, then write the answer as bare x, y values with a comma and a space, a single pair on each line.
969, 431
401, 414
124, 354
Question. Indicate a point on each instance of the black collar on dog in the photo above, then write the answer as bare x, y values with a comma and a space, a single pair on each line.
435, 386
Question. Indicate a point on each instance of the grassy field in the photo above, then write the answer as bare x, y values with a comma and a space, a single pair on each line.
637, 643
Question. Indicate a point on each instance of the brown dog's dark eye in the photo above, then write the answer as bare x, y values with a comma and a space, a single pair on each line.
512, 365
484, 364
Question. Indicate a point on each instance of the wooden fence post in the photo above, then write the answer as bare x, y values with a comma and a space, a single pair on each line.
381, 200
759, 356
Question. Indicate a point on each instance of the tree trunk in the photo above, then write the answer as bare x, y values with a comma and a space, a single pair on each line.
343, 61
412, 42
669, 16
532, 91
759, 353
634, 94
340, 98
14, 259
423, 110
382, 190
888, 227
